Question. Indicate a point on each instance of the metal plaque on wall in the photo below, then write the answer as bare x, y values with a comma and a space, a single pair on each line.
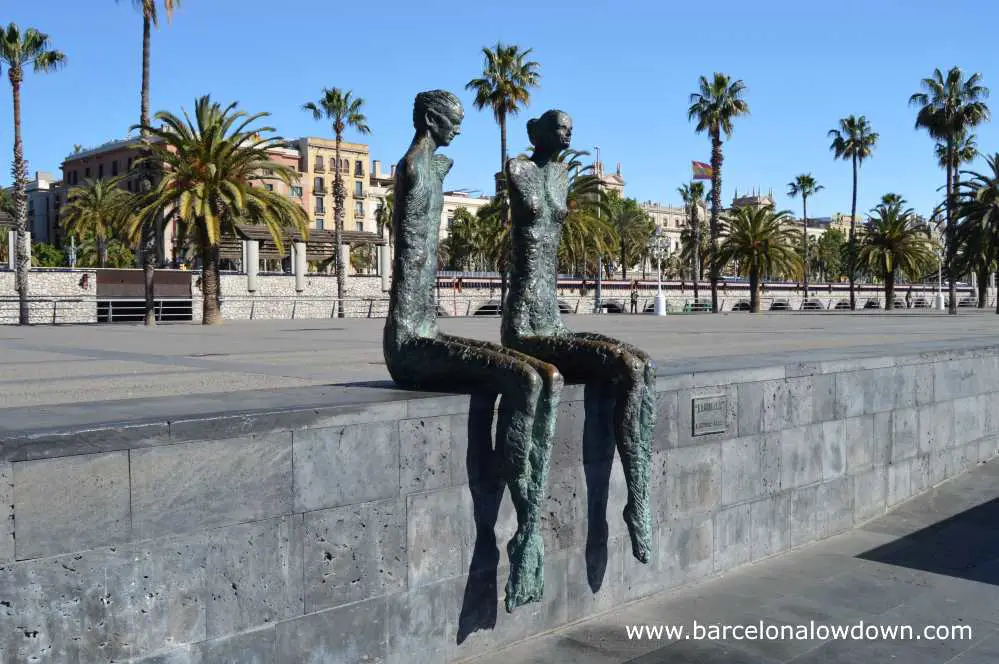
710, 414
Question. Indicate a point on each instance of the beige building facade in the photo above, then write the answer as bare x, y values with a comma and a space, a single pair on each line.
318, 168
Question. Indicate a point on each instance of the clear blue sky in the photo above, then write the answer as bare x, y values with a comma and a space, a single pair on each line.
622, 69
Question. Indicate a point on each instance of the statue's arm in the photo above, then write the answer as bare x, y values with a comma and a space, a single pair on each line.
414, 195
523, 186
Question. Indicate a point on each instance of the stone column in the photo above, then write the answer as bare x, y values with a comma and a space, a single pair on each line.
385, 265
345, 260
251, 265
300, 265
12, 250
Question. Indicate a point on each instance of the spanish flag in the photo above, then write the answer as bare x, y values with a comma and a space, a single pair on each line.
702, 171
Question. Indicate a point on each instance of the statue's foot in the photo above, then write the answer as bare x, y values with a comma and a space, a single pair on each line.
640, 529
527, 569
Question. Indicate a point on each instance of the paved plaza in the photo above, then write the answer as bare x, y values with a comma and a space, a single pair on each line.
87, 363
934, 561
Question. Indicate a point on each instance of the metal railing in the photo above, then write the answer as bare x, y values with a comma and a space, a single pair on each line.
10, 307
134, 310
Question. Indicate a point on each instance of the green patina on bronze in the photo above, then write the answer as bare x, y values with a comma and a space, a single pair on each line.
419, 356
532, 324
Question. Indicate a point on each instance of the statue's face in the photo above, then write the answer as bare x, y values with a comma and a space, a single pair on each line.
556, 134
445, 126
563, 131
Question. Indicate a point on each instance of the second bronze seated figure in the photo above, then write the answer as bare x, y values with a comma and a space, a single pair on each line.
532, 324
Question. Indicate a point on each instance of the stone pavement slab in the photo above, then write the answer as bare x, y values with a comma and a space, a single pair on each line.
49, 365
873, 574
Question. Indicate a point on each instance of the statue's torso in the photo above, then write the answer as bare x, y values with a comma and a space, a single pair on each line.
416, 227
538, 203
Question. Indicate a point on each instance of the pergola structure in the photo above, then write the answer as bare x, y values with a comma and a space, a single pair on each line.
319, 245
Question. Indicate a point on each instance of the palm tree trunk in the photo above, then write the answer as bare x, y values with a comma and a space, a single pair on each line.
983, 286
697, 249
23, 248
501, 189
147, 241
852, 245
211, 312
716, 165
804, 212
951, 277
754, 291
102, 251
338, 198
889, 276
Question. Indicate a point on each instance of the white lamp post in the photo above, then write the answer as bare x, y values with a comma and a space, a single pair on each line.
656, 245
939, 300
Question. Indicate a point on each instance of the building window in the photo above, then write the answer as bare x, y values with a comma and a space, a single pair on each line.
359, 168
296, 192
320, 205
450, 224
86, 172
129, 185
345, 166
319, 224
100, 171
129, 167
319, 164
358, 188
359, 209
114, 168
269, 187
360, 227
319, 186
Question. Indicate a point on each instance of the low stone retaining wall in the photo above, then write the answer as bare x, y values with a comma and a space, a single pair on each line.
357, 524
58, 296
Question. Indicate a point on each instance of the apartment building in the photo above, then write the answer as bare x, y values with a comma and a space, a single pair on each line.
119, 159
318, 167
45, 197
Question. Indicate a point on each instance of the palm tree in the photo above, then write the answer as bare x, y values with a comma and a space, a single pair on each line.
965, 151
343, 110
693, 198
854, 140
891, 198
760, 241
147, 243
214, 168
804, 185
978, 235
505, 86
586, 232
99, 207
697, 237
895, 240
949, 106
19, 50
718, 102
633, 228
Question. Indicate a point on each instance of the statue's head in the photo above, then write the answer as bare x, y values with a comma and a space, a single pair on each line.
440, 113
552, 132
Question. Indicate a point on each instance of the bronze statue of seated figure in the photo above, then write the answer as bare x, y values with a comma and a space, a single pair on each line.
419, 356
531, 323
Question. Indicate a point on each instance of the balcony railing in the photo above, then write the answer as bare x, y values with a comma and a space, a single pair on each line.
319, 168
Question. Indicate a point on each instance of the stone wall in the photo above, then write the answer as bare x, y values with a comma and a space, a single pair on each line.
363, 532
276, 297
73, 303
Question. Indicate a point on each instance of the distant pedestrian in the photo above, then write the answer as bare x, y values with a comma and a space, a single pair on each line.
634, 297
908, 298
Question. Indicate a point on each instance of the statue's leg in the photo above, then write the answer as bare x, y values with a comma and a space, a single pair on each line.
528, 490
583, 358
448, 362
